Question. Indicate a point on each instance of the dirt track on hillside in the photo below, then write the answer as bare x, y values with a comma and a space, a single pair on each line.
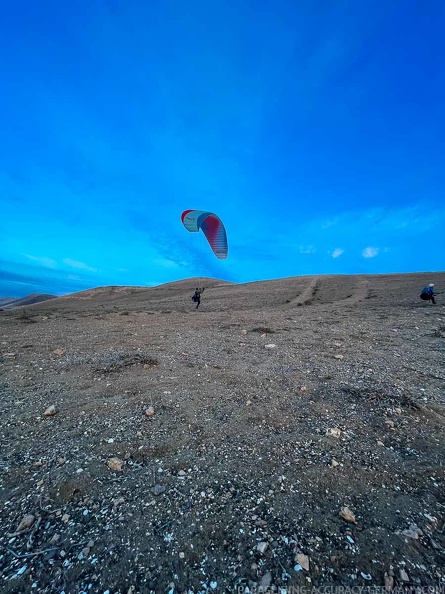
273, 407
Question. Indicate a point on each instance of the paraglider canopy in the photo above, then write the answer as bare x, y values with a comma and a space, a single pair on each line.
211, 226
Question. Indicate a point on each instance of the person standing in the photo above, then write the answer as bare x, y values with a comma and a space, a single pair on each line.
197, 296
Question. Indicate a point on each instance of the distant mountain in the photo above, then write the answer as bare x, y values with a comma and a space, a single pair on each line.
5, 300
12, 302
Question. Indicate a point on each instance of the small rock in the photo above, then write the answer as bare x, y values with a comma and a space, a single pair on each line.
388, 581
249, 402
302, 560
182, 473
150, 411
270, 346
65, 518
50, 411
116, 503
181, 555
334, 463
411, 534
261, 547
347, 515
158, 489
55, 538
59, 352
26, 522
403, 575
333, 432
265, 582
61, 461
38, 463
390, 423
380, 443
340, 357
115, 464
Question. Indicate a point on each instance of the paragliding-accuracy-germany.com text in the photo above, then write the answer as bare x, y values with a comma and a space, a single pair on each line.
411, 589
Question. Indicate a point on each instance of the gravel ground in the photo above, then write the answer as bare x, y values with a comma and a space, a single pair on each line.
289, 433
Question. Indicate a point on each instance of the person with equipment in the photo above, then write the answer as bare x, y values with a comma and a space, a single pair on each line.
428, 293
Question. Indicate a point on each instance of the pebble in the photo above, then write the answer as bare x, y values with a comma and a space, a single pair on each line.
158, 489
302, 560
50, 411
403, 575
347, 515
115, 464
26, 522
150, 411
261, 547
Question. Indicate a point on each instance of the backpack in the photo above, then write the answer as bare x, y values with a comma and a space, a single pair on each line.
194, 298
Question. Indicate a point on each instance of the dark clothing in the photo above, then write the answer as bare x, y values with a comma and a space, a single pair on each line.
428, 294
197, 298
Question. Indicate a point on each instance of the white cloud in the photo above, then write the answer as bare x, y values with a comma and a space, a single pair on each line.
337, 252
46, 262
79, 265
370, 252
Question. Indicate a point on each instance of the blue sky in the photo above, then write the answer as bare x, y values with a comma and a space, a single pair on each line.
314, 129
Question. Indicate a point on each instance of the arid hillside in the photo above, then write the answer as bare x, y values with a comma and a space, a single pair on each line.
287, 433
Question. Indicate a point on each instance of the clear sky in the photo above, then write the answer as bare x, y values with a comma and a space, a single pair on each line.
314, 129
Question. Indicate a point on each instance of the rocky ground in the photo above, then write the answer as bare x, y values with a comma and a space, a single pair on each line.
288, 433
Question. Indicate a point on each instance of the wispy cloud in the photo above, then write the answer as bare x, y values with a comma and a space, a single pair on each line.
163, 263
307, 249
45, 262
79, 265
370, 252
337, 252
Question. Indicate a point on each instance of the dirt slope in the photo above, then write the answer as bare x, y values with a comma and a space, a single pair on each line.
274, 406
